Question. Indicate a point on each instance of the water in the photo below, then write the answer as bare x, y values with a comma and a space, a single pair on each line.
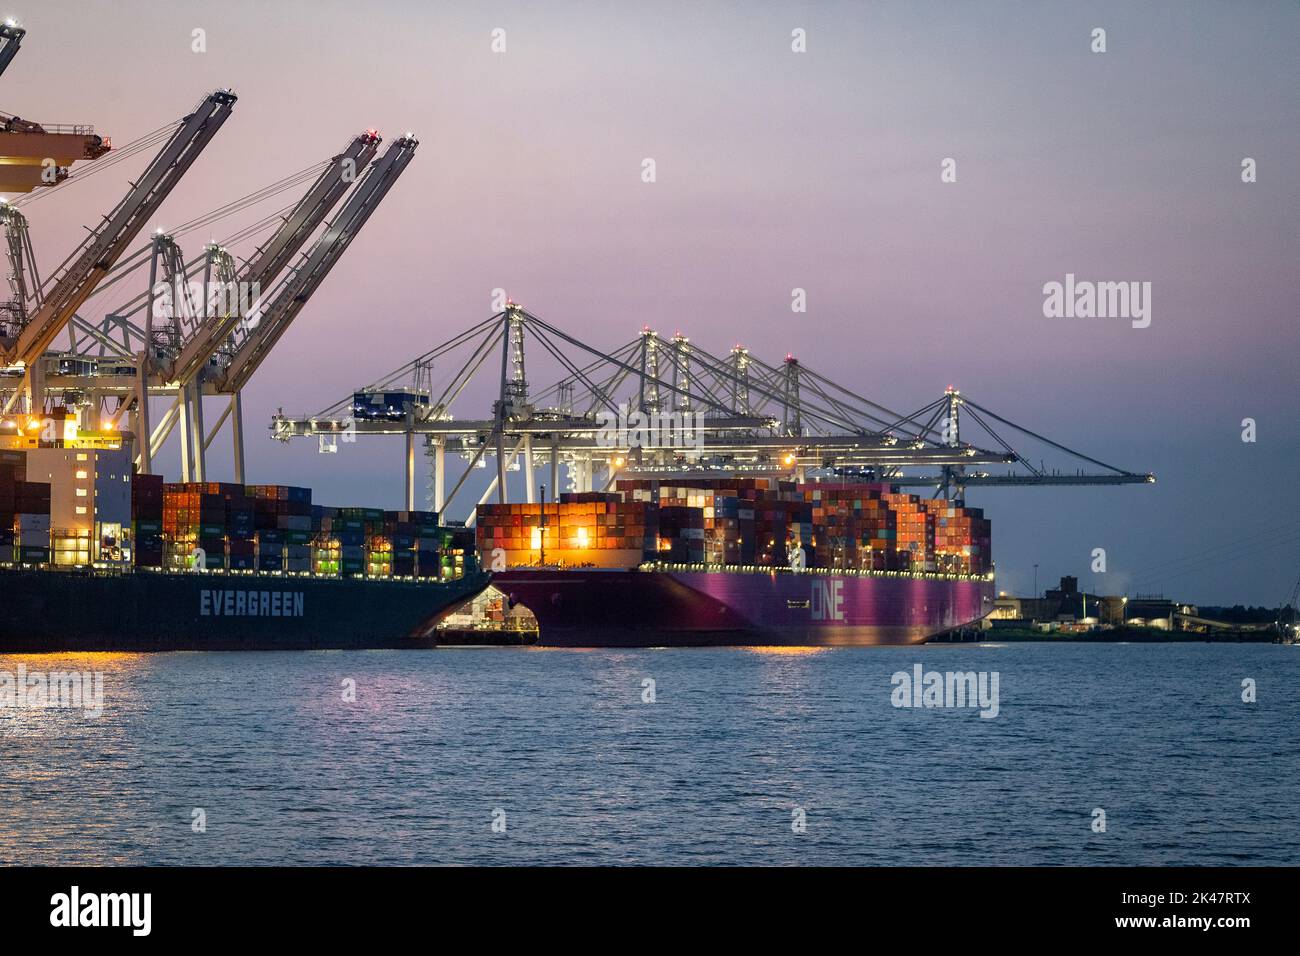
585, 772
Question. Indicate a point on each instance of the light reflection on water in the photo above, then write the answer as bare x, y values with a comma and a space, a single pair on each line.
410, 772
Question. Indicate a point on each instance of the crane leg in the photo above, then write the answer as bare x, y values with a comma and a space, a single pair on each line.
410, 470
183, 419
501, 469
197, 445
237, 433
530, 480
142, 432
439, 475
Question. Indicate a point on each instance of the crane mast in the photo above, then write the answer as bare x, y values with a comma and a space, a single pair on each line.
87, 265
292, 294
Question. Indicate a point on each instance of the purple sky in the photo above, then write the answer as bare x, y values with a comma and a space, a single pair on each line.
775, 170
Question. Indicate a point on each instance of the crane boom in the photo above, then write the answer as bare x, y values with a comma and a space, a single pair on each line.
101, 249
11, 38
293, 293
914, 481
269, 260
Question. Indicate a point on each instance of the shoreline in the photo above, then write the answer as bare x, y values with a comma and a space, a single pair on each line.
1119, 635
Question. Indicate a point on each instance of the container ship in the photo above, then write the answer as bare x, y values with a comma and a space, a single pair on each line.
741, 561
94, 557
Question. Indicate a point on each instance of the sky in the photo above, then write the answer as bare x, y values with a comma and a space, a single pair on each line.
778, 170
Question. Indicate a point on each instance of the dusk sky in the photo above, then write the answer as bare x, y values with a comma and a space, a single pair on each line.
776, 170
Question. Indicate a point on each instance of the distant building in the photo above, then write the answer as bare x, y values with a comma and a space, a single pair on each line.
1067, 606
89, 478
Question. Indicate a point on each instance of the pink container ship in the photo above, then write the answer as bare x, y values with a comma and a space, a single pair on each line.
665, 607
755, 562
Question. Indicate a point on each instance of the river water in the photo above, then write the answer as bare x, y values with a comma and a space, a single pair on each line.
728, 756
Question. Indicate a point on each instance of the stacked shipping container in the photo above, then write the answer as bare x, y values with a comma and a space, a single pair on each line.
416, 544
208, 522
282, 527
147, 504
962, 538
13, 468
347, 539
590, 529
276, 528
914, 532
24, 513
856, 528
742, 521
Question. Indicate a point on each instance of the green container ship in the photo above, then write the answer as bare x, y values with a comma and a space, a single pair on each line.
96, 557
50, 609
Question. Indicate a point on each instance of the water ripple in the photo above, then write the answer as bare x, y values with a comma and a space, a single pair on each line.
738, 749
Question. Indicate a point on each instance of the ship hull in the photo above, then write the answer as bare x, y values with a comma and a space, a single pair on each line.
50, 611
660, 608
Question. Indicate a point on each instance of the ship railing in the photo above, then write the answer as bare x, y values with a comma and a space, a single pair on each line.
294, 575
72, 129
31, 126
781, 569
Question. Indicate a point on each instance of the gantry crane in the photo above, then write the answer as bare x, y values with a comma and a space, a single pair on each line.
267, 263
79, 274
182, 368
743, 416
750, 417
102, 356
186, 347
944, 417
251, 340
